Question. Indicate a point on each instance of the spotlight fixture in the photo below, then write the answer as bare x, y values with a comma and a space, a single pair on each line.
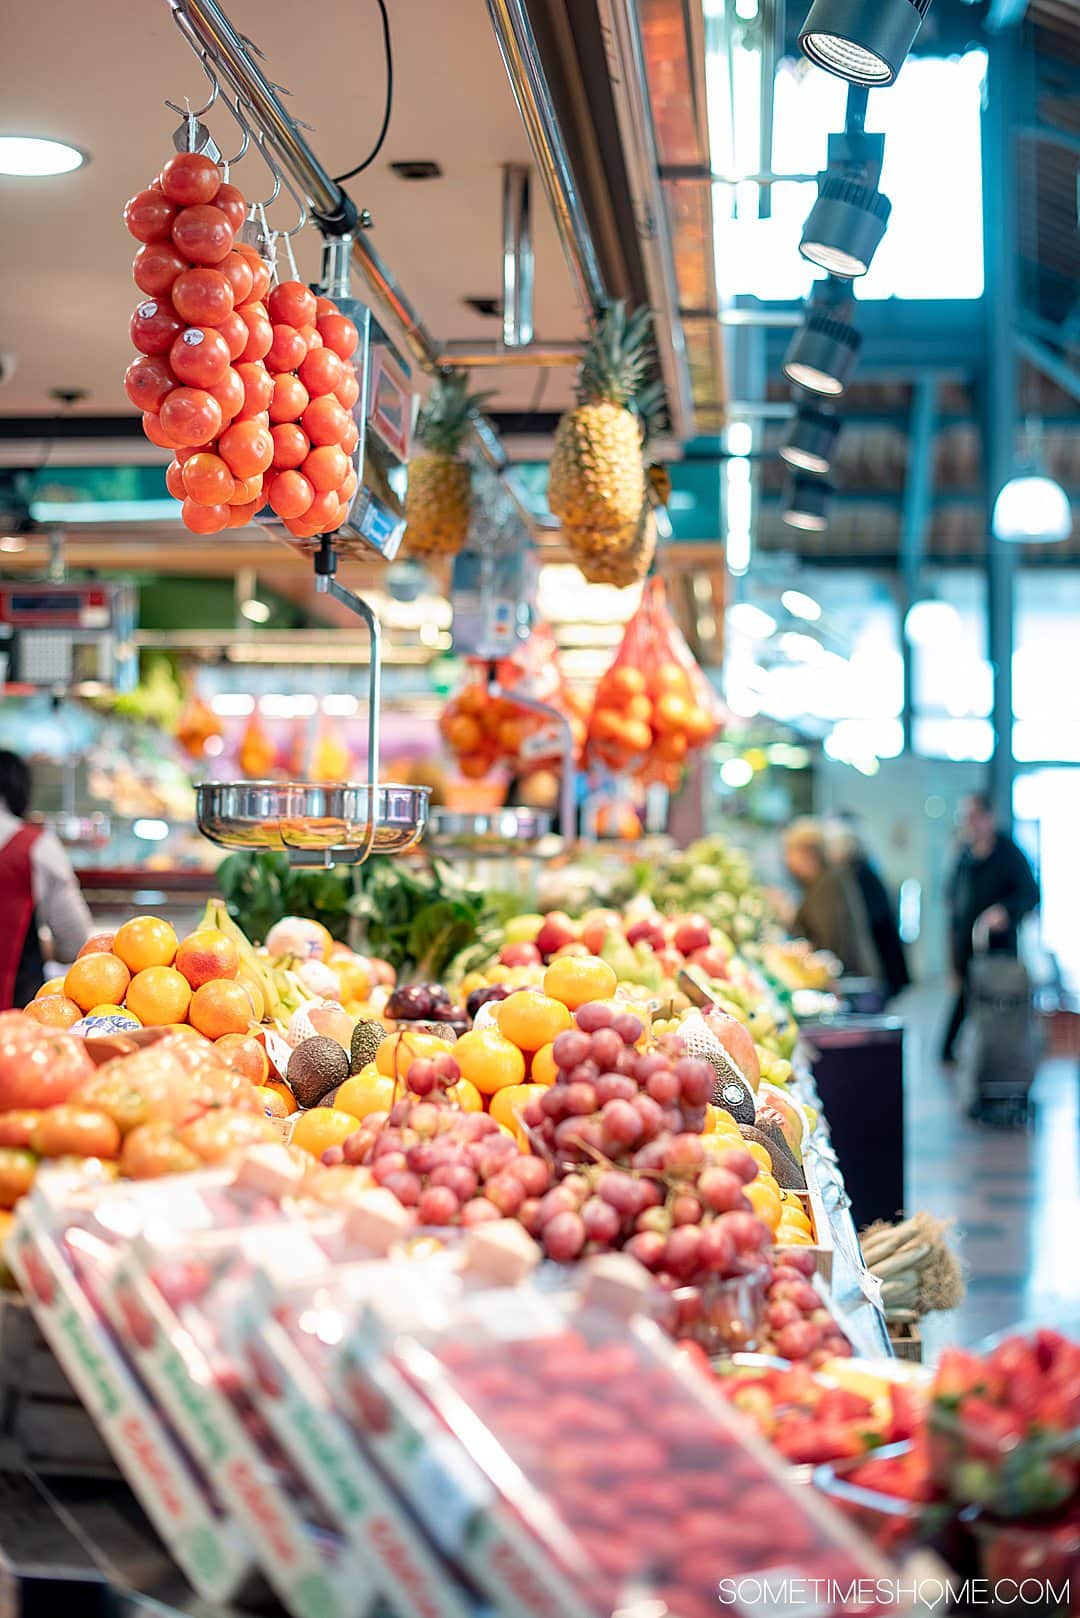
862, 41
35, 156
807, 505
1032, 508
821, 356
848, 219
811, 440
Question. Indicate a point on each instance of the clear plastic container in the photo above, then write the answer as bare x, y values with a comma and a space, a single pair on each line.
893, 1522
1047, 1553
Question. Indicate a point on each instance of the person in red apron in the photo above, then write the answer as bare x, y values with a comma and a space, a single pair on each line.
38, 888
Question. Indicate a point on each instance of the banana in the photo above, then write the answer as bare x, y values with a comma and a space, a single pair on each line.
256, 971
253, 984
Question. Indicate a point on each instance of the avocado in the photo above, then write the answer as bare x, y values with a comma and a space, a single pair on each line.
731, 1090
788, 1175
315, 1067
367, 1037
774, 1134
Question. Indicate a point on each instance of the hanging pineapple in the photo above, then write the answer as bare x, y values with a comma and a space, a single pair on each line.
625, 557
438, 498
597, 480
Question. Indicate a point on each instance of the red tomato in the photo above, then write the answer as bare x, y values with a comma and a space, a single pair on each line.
325, 306
240, 516
190, 177
260, 269
199, 356
203, 233
301, 527
260, 331
349, 487
290, 398
289, 493
287, 350
290, 446
191, 416
247, 448
174, 480
233, 204
202, 297
261, 419
311, 337
156, 267
147, 380
258, 388
245, 490
326, 468
151, 426
229, 393
348, 389
207, 479
338, 332
321, 372
323, 511
324, 421
148, 215
205, 519
238, 272
350, 437
292, 303
235, 333
183, 453
155, 326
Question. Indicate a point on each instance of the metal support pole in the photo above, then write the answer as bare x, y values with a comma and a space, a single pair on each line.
518, 262
918, 502
1001, 302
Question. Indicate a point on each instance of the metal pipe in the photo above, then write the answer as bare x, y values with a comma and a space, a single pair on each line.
1055, 366
918, 505
540, 355
518, 264
521, 57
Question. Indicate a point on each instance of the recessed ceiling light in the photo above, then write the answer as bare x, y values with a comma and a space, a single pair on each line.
12, 544
255, 611
32, 156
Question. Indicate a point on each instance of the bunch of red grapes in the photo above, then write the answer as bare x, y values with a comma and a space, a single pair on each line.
251, 388
452, 1167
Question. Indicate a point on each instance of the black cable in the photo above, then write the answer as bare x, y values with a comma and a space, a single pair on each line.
339, 179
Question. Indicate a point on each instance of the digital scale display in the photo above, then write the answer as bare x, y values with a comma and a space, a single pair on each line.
62, 607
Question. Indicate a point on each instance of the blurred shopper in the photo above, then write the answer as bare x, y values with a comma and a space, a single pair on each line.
847, 850
831, 912
991, 889
38, 888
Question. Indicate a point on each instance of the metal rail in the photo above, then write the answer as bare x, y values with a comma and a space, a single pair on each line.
212, 36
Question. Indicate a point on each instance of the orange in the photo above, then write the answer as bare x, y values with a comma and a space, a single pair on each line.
144, 941
463, 733
95, 980
793, 1236
278, 1087
671, 712
353, 978
531, 1020
607, 724
506, 1104
671, 677
474, 766
635, 735
157, 996
575, 979
639, 708
97, 944
466, 1096
473, 699
220, 1008
699, 726
54, 1011
760, 1155
765, 1201
206, 955
244, 1054
112, 1011
396, 1053
488, 1060
544, 1067
360, 1096
623, 683
53, 986
671, 746
796, 1219
274, 1102
321, 1127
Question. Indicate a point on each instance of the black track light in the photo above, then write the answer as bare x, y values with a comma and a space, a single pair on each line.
811, 440
822, 355
806, 504
848, 219
862, 41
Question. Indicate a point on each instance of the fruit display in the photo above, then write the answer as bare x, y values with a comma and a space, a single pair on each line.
654, 706
483, 728
250, 383
714, 878
438, 497
811, 1417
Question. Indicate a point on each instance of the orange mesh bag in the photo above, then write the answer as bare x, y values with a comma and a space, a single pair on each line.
483, 729
654, 706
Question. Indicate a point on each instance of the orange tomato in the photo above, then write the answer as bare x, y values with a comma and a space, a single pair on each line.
72, 1131
575, 979
488, 1060
94, 980
158, 996
153, 1149
144, 941
16, 1127
531, 1020
17, 1170
224, 1131
321, 1127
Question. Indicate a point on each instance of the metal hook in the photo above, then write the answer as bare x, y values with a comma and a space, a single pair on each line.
282, 179
274, 170
215, 90
227, 162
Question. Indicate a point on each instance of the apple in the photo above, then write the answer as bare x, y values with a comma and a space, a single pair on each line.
738, 1041
647, 932
596, 926
523, 929
692, 933
711, 961
557, 931
519, 955
670, 961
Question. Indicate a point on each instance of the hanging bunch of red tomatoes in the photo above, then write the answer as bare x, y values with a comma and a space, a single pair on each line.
251, 388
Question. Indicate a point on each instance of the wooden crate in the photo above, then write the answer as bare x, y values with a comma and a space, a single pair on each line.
906, 1342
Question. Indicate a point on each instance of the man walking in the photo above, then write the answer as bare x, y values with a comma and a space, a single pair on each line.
991, 890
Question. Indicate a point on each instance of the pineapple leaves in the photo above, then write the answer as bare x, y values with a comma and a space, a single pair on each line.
444, 417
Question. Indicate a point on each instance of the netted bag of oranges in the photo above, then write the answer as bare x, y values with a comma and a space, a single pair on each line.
654, 706
534, 671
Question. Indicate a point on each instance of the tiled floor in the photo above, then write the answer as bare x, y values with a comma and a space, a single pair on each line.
1015, 1196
